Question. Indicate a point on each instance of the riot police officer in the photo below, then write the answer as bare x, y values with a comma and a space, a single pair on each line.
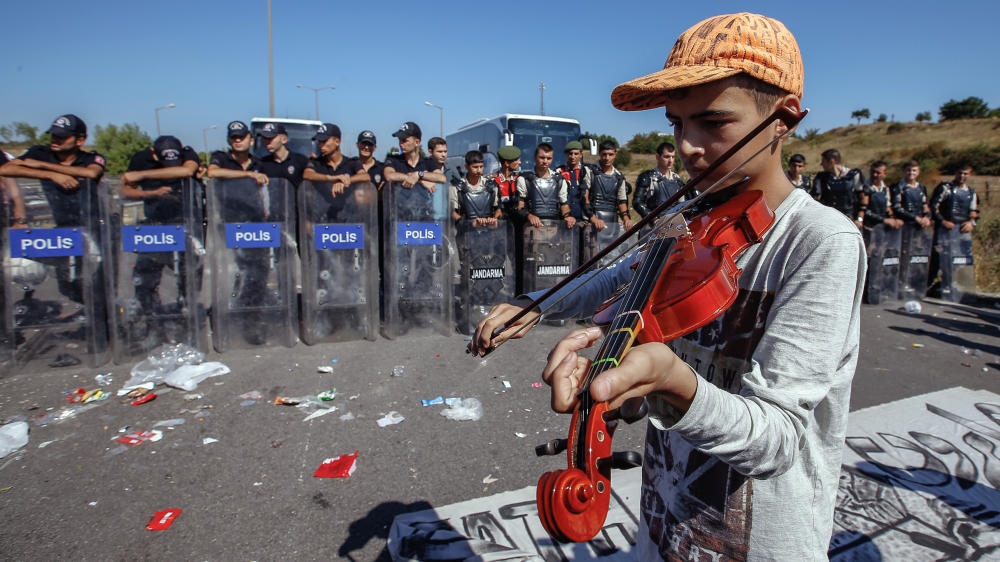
608, 193
238, 161
655, 186
839, 187
331, 166
155, 176
281, 162
473, 197
408, 169
797, 165
954, 208
542, 193
909, 198
876, 199
366, 158
578, 178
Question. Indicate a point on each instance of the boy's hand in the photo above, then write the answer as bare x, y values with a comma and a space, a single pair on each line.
481, 341
646, 369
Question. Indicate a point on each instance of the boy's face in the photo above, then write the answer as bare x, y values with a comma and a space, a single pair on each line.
911, 173
665, 159
796, 168
709, 119
573, 157
608, 157
241, 144
329, 146
476, 168
828, 165
962, 176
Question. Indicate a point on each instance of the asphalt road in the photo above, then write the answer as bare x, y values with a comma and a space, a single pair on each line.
252, 494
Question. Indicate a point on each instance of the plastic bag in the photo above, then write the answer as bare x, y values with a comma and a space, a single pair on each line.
468, 409
13, 436
187, 377
162, 361
912, 307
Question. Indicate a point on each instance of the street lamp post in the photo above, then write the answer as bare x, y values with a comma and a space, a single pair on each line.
204, 137
427, 103
316, 92
541, 98
157, 113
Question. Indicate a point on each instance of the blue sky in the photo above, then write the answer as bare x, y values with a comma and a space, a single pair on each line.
115, 61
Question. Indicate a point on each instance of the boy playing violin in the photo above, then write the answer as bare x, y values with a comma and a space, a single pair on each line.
747, 415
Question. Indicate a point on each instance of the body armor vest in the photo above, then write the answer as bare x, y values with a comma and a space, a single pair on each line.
878, 203
661, 188
475, 204
604, 191
839, 192
543, 196
912, 198
956, 204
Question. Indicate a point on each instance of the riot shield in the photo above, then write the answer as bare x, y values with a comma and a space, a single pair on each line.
57, 279
417, 270
883, 264
914, 261
596, 240
550, 253
487, 271
160, 254
251, 235
958, 273
339, 237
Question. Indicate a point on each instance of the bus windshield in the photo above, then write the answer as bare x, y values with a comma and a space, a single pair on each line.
299, 138
529, 133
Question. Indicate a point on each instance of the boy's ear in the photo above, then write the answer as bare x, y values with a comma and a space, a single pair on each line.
792, 103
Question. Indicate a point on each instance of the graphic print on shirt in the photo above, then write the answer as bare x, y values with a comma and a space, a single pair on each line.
695, 506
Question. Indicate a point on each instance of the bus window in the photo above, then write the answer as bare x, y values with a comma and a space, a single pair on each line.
529, 133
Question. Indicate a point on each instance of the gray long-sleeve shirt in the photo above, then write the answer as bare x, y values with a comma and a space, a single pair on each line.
750, 471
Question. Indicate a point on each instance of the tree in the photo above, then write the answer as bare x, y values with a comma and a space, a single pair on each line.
882, 118
647, 143
624, 156
924, 116
968, 108
861, 114
118, 144
20, 132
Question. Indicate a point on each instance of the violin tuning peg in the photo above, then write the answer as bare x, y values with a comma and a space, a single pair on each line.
553, 447
621, 460
631, 411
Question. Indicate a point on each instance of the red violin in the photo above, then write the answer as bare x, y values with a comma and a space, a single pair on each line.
687, 276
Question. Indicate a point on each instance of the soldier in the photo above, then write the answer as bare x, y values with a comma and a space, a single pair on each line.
506, 179
473, 197
155, 176
543, 194
238, 161
909, 198
578, 178
366, 158
608, 191
281, 162
839, 187
796, 165
876, 199
655, 186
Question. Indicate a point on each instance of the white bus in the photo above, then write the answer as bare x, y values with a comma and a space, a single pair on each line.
511, 129
300, 134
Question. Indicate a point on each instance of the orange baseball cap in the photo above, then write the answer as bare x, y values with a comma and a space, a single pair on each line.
715, 48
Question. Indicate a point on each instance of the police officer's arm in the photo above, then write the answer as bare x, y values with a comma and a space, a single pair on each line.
16, 169
185, 170
90, 171
564, 209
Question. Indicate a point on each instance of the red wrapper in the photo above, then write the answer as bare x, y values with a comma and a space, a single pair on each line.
339, 467
147, 398
162, 520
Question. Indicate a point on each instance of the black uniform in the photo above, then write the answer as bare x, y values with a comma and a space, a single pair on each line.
473, 203
376, 172
290, 168
607, 192
841, 193
348, 166
414, 203
908, 201
66, 205
543, 197
168, 209
805, 182
953, 203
